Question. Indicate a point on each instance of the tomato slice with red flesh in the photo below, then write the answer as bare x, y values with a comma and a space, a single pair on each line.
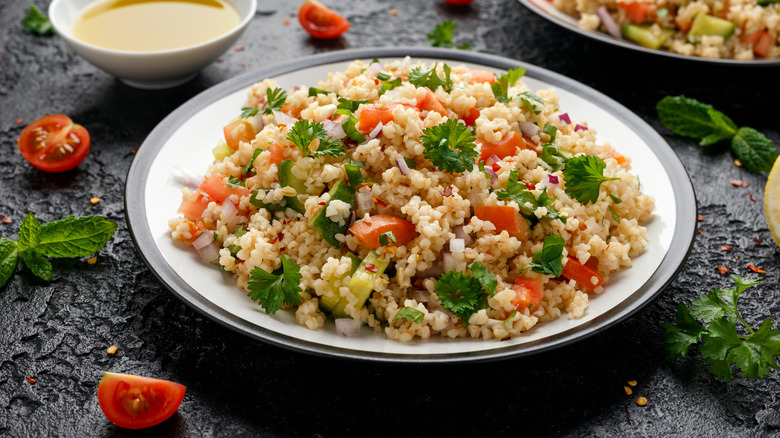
238, 131
370, 116
582, 274
136, 402
54, 143
368, 232
217, 188
431, 103
504, 218
471, 117
528, 294
320, 21
505, 147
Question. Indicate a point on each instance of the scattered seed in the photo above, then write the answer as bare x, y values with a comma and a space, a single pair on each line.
737, 163
628, 390
726, 247
723, 270
757, 270
393, 11
94, 201
31, 380
239, 48
632, 382
92, 260
112, 349
286, 22
641, 401
19, 121
700, 218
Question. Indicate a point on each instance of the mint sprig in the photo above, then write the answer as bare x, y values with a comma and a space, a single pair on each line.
691, 118
441, 36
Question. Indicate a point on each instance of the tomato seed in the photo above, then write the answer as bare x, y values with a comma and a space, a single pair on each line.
94, 201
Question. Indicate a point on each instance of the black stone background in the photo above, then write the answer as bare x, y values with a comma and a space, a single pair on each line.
58, 332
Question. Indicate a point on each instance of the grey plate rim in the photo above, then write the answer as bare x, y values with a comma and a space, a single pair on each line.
680, 248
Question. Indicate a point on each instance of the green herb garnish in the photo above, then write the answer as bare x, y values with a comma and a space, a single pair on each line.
313, 91
37, 23
349, 125
387, 238
525, 199
531, 101
548, 260
304, 132
485, 277
691, 118
387, 86
411, 314
450, 146
275, 97
441, 36
753, 353
583, 175
248, 168
382, 76
422, 77
350, 105
247, 112
275, 289
502, 84
461, 294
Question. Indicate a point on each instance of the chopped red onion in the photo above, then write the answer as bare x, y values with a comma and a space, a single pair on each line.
564, 118
448, 261
184, 176
375, 68
421, 296
352, 217
207, 248
203, 240
284, 119
529, 129
447, 192
376, 131
495, 158
579, 127
334, 129
609, 23
347, 327
402, 166
552, 179
493, 175
296, 88
457, 245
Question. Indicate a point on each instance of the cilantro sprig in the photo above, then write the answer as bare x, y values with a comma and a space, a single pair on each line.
712, 320
691, 118
583, 175
441, 36
450, 146
429, 77
501, 86
278, 288
304, 132
67, 237
518, 192
461, 294
35, 22
275, 97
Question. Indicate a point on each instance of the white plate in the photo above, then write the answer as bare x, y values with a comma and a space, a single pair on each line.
545, 9
187, 136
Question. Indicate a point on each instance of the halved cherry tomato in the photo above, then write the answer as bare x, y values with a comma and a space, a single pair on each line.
458, 2
504, 218
479, 76
277, 153
471, 117
136, 402
217, 188
582, 274
368, 233
431, 103
370, 116
237, 131
505, 147
528, 294
320, 21
54, 143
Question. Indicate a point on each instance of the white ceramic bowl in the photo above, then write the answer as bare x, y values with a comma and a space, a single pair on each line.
149, 70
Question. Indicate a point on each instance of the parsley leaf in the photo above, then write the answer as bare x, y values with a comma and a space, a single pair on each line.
37, 23
411, 314
349, 125
350, 105
441, 36
501, 86
251, 163
583, 175
754, 150
389, 85
304, 132
248, 112
313, 91
450, 146
9, 254
525, 199
387, 238
548, 260
678, 338
485, 277
275, 289
422, 77
552, 156
531, 101
460, 294
275, 97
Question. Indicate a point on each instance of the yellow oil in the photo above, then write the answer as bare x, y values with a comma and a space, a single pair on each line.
152, 25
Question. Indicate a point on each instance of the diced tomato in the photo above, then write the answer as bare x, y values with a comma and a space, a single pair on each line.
237, 131
217, 188
683, 25
277, 153
320, 21
194, 209
724, 11
528, 294
504, 218
620, 158
291, 109
136, 402
195, 227
431, 103
480, 76
368, 233
370, 116
637, 11
762, 44
506, 147
471, 117
582, 274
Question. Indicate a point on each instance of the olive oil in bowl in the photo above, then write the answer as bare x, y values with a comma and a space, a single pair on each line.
154, 25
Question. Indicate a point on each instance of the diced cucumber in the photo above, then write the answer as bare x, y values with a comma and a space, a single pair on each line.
353, 174
222, 151
705, 24
326, 227
362, 282
287, 179
330, 299
646, 35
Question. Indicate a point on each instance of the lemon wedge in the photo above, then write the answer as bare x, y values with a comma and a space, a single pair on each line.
772, 201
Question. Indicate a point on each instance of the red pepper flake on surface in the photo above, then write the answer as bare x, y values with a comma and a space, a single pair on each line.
19, 121
371, 268
6, 219
723, 270
737, 183
529, 185
220, 59
750, 195
286, 22
757, 270
380, 202
133, 150
239, 48
700, 218
31, 380
446, 192
701, 233
756, 240
726, 247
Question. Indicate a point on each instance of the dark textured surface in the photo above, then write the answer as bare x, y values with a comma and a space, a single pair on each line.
58, 332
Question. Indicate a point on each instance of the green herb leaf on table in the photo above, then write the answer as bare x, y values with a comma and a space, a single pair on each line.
754, 150
411, 314
275, 289
9, 255
275, 98
38, 264
450, 146
36, 23
488, 279
460, 294
548, 260
422, 77
502, 84
29, 233
583, 176
74, 236
441, 36
304, 132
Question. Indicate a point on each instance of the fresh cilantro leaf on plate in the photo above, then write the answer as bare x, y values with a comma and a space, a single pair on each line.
548, 260
461, 294
304, 132
36, 23
275, 98
350, 105
441, 36
450, 146
502, 84
314, 91
389, 85
411, 314
422, 77
278, 288
583, 175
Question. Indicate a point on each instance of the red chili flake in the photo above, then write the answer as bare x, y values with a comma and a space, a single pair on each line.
446, 192
701, 233
723, 270
736, 183
133, 150
496, 167
31, 380
755, 269
7, 220
750, 195
404, 184
276, 239
286, 22
19, 121
241, 64
726, 247
529, 185
380, 202
322, 203
745, 184
756, 240
371, 268
364, 184
280, 236
239, 48
282, 248
700, 218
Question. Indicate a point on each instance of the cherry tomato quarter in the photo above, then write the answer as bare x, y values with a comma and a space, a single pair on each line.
54, 143
320, 21
136, 402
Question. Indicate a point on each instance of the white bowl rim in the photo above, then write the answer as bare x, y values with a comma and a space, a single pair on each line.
63, 29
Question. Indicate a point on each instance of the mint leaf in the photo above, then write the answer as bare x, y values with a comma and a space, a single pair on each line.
38, 264
754, 150
411, 314
691, 118
75, 236
9, 254
487, 278
29, 233
37, 23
